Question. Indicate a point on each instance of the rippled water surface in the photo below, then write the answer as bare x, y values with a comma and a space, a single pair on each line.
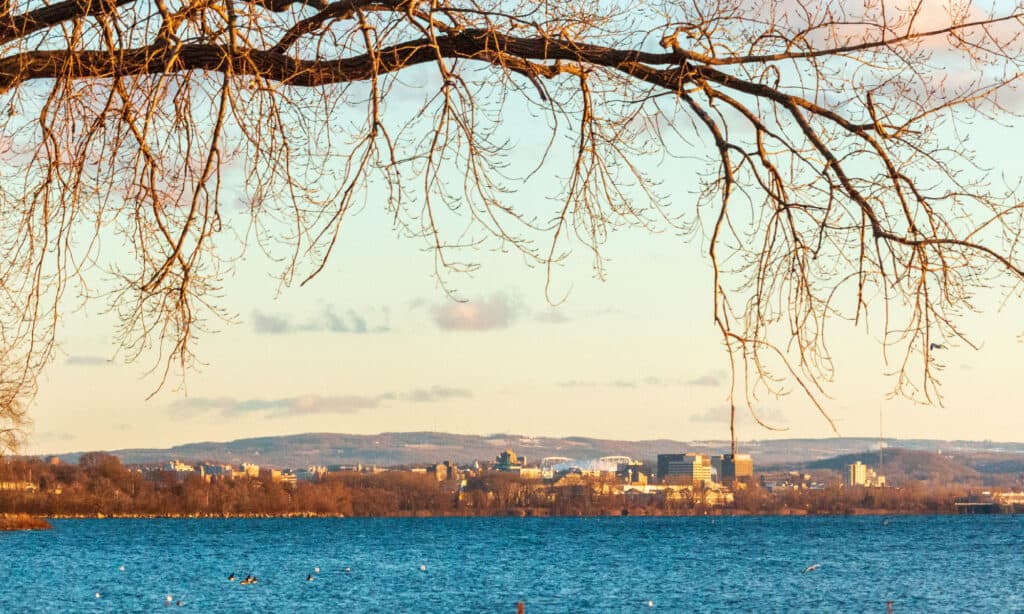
921, 564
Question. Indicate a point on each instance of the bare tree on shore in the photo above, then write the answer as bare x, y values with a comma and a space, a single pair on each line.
829, 140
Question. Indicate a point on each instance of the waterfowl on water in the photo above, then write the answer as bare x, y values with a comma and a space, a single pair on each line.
309, 578
231, 578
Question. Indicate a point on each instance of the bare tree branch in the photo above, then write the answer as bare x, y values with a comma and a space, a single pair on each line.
835, 180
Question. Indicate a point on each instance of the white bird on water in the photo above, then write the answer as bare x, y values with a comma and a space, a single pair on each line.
423, 567
316, 570
97, 595
811, 568
121, 568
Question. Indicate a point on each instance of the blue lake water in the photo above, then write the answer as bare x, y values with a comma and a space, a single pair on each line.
921, 564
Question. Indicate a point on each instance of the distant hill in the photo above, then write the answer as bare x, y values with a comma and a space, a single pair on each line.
425, 447
959, 464
989, 462
901, 465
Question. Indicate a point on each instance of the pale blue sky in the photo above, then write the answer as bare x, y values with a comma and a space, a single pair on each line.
373, 345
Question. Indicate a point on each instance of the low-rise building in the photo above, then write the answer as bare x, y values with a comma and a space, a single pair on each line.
445, 471
789, 480
179, 469
734, 468
270, 475
250, 470
508, 460
632, 472
532, 473
311, 473
715, 495
210, 472
859, 474
684, 468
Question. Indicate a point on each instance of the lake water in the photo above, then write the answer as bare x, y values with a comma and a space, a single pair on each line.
921, 564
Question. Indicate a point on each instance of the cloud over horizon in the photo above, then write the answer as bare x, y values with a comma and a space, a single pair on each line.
771, 416
552, 315
87, 360
493, 312
310, 404
328, 320
621, 383
717, 378
54, 436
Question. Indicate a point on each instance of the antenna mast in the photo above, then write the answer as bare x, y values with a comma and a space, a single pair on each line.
881, 442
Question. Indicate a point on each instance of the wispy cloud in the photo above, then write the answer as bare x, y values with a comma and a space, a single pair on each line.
621, 383
87, 360
712, 414
577, 383
310, 404
268, 324
328, 320
661, 381
430, 395
54, 436
304, 405
552, 316
348, 322
496, 311
720, 414
198, 405
715, 379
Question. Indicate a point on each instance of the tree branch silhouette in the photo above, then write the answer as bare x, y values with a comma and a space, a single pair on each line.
834, 178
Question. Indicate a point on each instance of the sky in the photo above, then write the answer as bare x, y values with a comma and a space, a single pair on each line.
373, 344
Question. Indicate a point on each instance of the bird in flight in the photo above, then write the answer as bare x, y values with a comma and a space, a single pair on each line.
936, 346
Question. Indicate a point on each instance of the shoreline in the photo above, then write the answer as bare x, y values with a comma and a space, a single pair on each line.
517, 514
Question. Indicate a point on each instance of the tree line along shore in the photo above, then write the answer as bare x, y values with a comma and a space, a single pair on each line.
100, 486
